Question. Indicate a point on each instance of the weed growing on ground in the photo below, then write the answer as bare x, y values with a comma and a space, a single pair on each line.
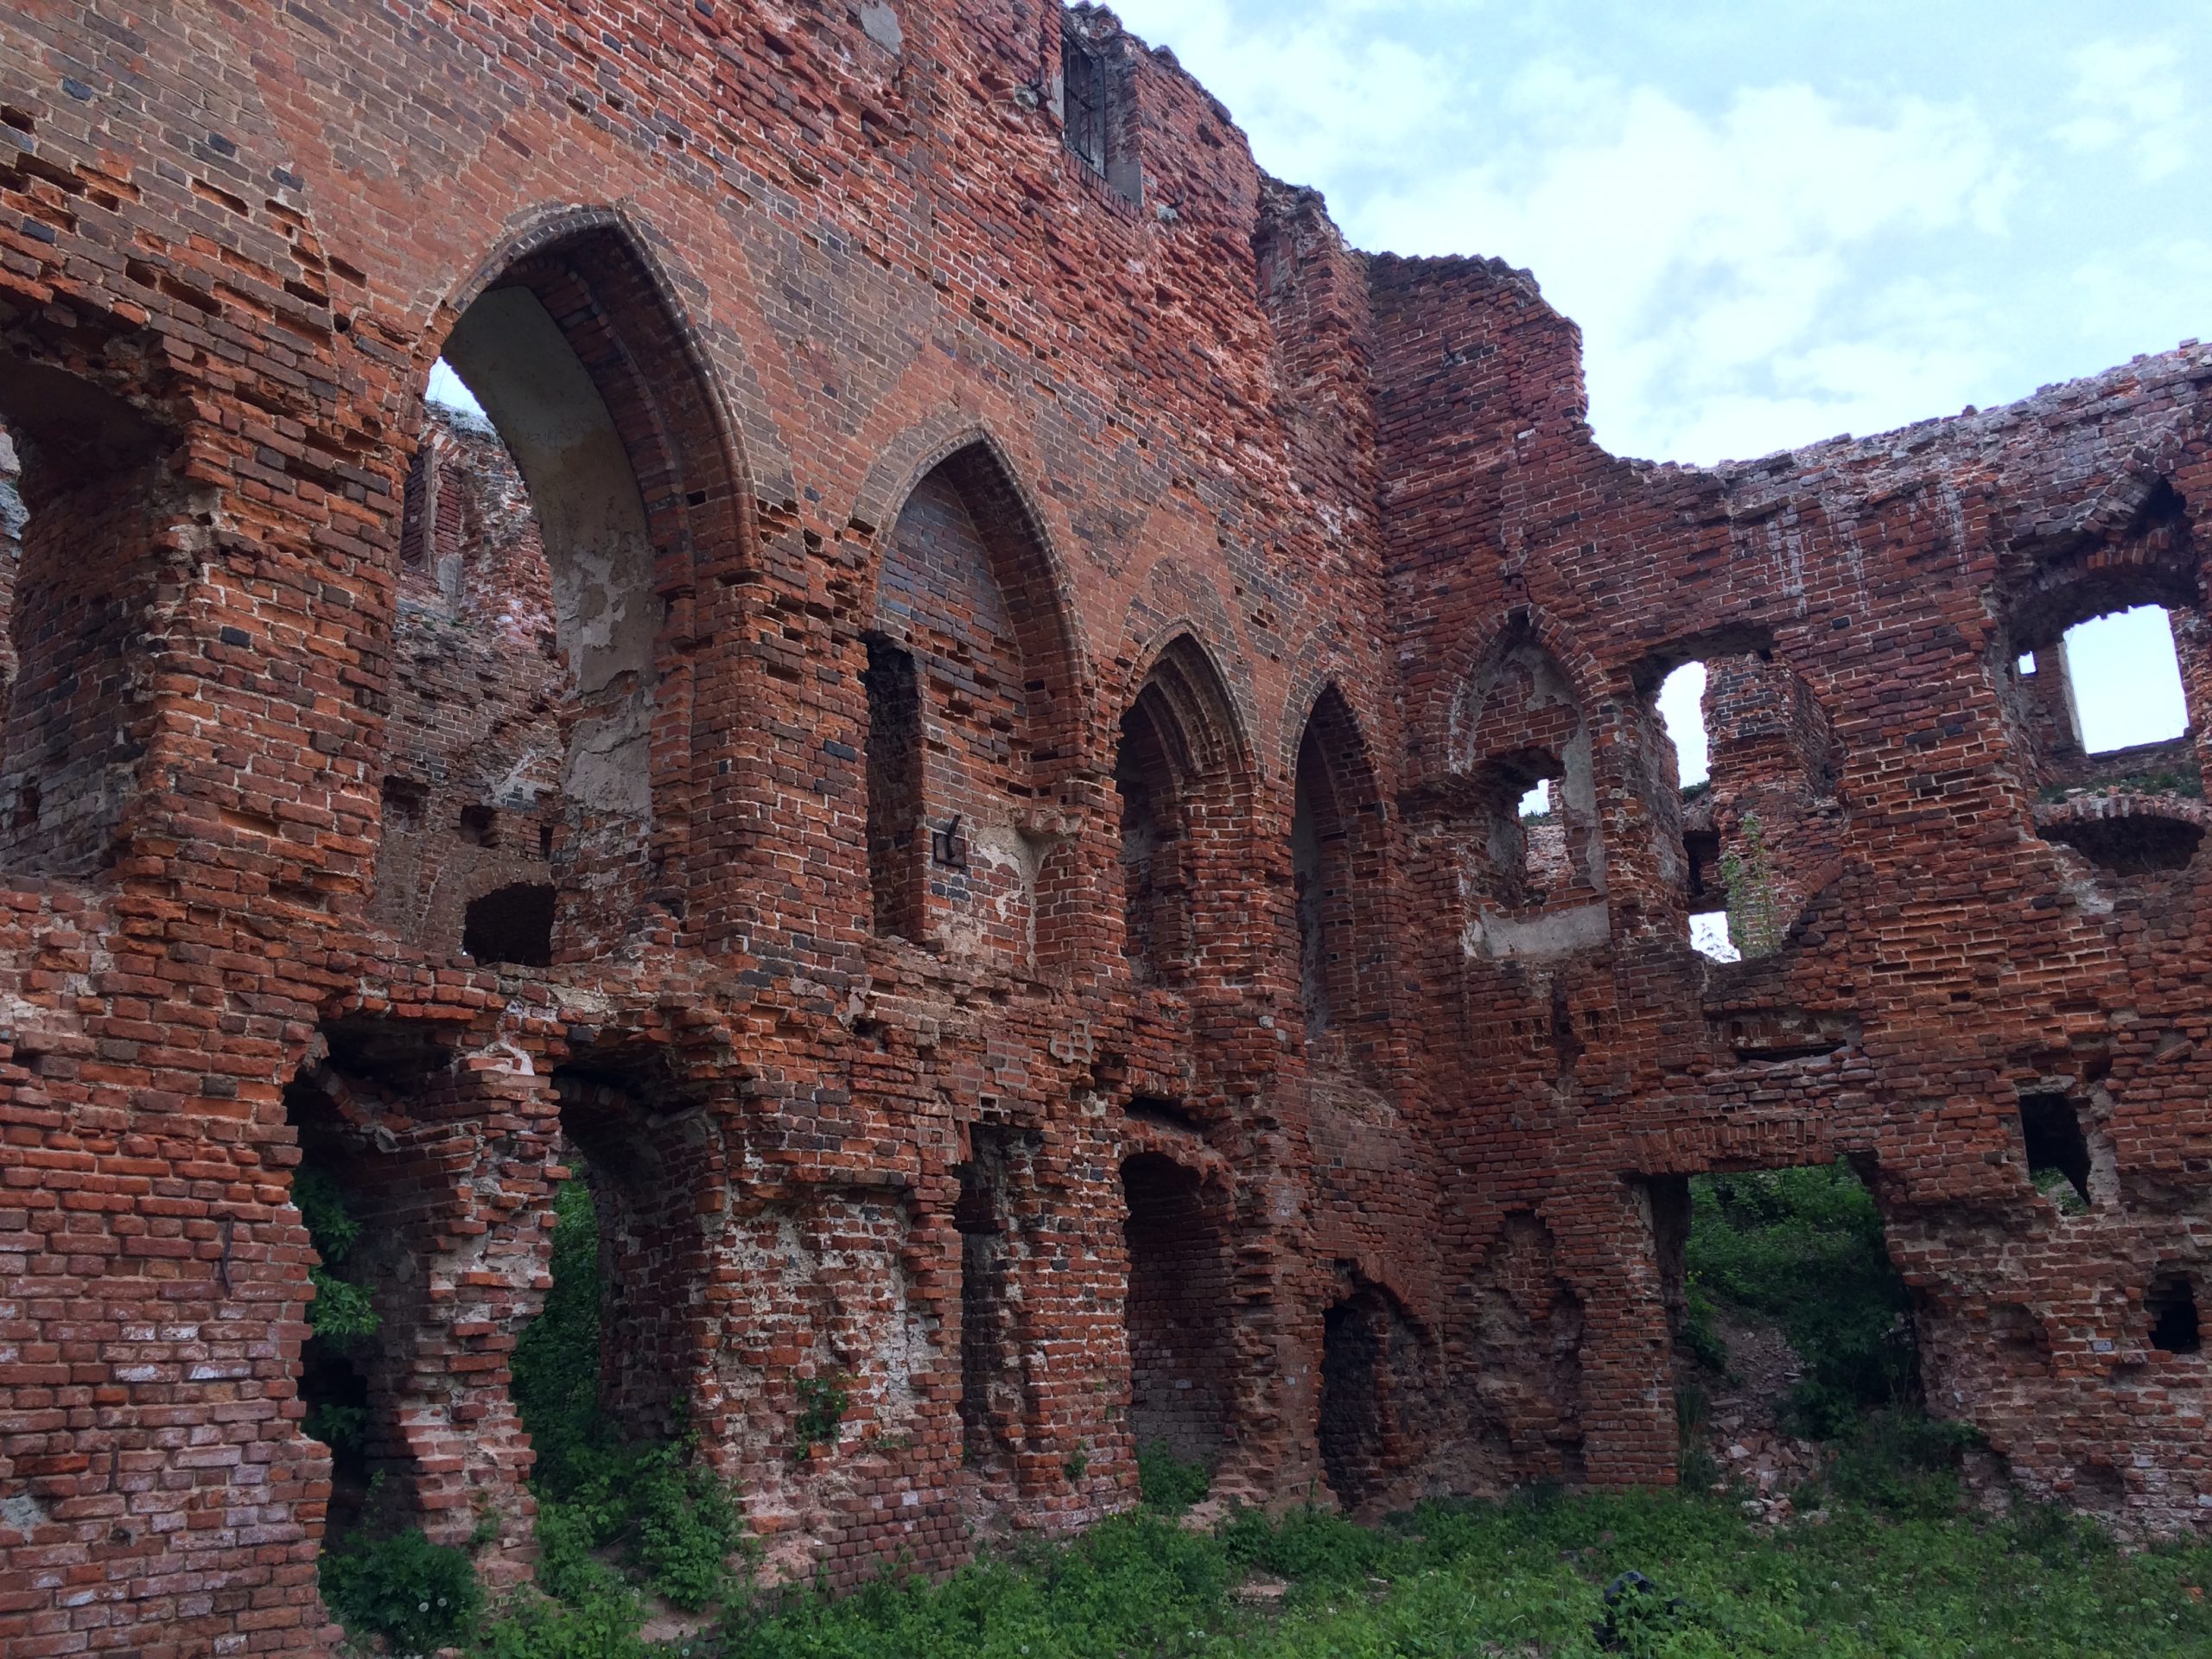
1528, 1576
1166, 1483
616, 1521
418, 1595
1803, 1246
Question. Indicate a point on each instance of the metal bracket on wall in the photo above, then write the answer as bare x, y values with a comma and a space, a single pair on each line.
947, 848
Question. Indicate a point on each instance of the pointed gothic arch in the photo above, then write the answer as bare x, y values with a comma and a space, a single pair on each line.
1183, 774
1338, 870
570, 340
1522, 720
973, 675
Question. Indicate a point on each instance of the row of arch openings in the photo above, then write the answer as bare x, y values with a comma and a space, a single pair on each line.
573, 468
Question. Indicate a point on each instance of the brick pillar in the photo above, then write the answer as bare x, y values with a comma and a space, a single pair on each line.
448, 1178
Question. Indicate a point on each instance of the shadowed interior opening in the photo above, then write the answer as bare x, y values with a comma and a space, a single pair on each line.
511, 925
1178, 1310
2174, 1327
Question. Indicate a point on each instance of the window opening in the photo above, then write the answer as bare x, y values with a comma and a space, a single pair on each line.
1681, 703
523, 648
2125, 680
2057, 1149
89, 507
2130, 845
1332, 834
1526, 750
1154, 905
1681, 708
404, 800
1542, 860
1312, 896
894, 790
511, 925
1084, 78
2174, 1327
1755, 772
1709, 936
575, 465
1096, 105
961, 759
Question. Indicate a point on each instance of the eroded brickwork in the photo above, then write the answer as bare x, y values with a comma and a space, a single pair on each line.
959, 746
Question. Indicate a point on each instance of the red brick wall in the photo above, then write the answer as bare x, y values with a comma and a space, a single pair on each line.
856, 292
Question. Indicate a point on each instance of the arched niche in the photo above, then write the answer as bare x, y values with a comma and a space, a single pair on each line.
1338, 866
971, 677
1182, 775
597, 391
1379, 1404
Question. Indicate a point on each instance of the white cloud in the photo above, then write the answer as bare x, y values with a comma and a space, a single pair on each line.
2132, 97
1771, 228
1702, 255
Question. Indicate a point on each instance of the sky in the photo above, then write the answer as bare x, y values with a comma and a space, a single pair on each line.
1774, 223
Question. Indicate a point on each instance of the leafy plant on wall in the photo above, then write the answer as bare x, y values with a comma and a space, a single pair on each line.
1754, 925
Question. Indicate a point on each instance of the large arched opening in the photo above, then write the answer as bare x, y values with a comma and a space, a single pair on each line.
538, 789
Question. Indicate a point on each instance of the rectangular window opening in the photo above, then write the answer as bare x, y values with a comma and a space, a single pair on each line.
2058, 1151
2125, 680
1097, 110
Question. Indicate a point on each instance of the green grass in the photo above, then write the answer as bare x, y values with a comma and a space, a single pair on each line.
618, 1521
1528, 1576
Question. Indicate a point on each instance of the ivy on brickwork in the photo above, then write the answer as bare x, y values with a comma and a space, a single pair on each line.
1754, 925
340, 1312
822, 1402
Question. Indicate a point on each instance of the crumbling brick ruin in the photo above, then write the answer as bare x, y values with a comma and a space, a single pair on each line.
968, 763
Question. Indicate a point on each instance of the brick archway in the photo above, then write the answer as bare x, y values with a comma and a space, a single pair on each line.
570, 340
